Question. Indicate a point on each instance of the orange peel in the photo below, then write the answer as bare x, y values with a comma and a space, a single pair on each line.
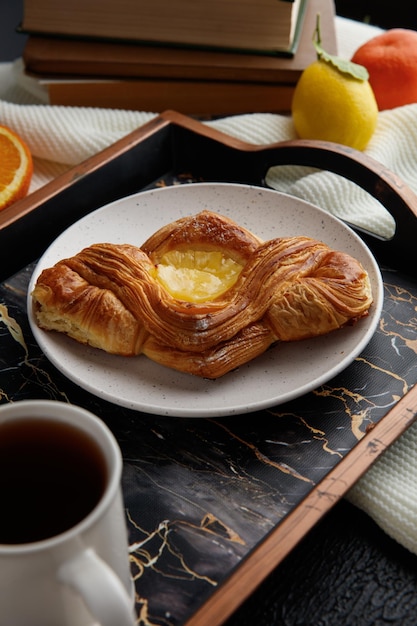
16, 167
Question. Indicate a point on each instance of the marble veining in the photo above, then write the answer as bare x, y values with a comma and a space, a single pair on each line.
200, 494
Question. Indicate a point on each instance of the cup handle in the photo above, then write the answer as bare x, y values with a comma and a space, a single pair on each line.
102, 591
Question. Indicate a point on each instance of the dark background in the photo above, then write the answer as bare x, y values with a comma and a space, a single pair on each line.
391, 14
11, 42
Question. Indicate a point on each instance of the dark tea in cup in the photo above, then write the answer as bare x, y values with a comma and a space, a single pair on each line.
64, 554
52, 475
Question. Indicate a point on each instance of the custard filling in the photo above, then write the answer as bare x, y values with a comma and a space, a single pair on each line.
197, 275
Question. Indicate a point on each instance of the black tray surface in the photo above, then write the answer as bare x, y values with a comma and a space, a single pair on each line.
202, 494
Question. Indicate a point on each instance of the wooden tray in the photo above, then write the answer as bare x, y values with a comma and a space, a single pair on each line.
213, 505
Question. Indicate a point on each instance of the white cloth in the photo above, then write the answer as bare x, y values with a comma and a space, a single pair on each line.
388, 491
60, 137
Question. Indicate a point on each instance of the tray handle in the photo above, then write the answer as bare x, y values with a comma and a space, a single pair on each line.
398, 252
219, 157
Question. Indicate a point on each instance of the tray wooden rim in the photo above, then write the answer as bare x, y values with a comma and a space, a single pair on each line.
277, 544
360, 168
290, 531
311, 149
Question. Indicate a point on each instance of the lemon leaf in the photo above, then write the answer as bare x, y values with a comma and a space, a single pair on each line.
343, 65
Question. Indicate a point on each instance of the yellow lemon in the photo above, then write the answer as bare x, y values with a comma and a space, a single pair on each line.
334, 101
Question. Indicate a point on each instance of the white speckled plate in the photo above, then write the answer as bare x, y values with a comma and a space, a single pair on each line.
281, 374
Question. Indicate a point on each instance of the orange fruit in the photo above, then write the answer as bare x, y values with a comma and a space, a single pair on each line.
16, 167
391, 60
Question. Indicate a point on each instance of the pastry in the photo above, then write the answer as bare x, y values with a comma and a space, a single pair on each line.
202, 295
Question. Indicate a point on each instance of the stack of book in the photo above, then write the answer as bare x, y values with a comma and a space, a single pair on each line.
205, 58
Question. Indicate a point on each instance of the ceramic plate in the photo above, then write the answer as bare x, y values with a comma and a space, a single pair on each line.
283, 373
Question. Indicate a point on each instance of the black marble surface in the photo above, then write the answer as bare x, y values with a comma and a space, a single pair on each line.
201, 493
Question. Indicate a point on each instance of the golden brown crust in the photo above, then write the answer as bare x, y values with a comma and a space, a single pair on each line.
289, 289
208, 231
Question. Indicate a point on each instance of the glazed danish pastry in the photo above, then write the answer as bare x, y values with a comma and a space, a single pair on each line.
202, 295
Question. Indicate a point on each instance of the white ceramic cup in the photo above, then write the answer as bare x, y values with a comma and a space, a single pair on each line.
80, 577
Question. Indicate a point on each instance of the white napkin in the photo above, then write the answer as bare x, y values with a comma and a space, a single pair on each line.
60, 137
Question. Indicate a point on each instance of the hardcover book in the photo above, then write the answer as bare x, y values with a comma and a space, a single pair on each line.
264, 25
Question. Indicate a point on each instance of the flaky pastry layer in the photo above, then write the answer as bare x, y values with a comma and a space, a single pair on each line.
289, 289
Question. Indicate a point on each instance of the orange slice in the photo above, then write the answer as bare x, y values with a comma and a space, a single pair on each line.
16, 167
